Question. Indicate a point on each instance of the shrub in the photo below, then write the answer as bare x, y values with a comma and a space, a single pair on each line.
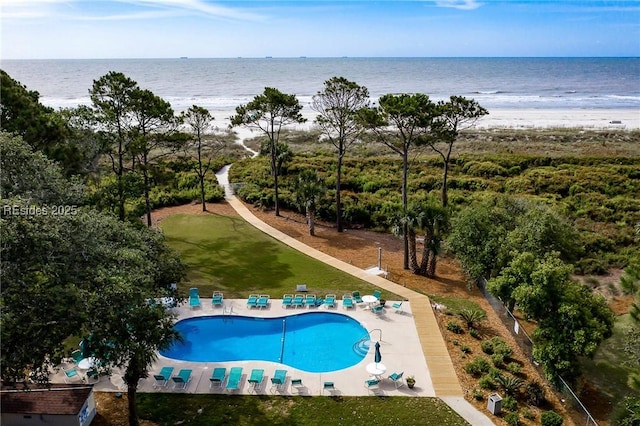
477, 394
514, 368
551, 418
478, 366
535, 393
454, 327
512, 419
528, 414
472, 316
509, 403
497, 360
474, 333
487, 347
466, 349
486, 382
510, 384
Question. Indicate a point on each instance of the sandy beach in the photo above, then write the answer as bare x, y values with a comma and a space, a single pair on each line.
622, 119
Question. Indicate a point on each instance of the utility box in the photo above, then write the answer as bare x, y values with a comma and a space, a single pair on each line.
495, 403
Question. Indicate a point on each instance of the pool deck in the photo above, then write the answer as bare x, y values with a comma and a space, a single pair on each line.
410, 341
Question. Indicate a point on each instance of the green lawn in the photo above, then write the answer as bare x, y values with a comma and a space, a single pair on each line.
172, 409
227, 254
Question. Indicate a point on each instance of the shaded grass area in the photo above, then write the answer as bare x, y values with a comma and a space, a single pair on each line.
209, 410
607, 370
227, 254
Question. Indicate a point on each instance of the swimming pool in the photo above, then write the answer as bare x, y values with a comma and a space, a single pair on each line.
317, 342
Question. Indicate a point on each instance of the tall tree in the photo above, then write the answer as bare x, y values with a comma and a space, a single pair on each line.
403, 123
199, 120
309, 188
153, 120
457, 114
338, 105
111, 96
269, 112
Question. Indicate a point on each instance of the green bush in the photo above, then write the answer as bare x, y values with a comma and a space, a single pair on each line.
477, 394
514, 368
528, 414
454, 327
512, 419
478, 366
509, 403
497, 360
486, 382
474, 333
551, 418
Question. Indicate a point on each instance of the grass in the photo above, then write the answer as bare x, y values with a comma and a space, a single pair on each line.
606, 370
455, 305
265, 410
227, 254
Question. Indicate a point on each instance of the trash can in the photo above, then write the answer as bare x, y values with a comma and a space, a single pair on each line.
495, 403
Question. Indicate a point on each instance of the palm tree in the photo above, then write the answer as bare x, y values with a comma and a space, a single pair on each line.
309, 188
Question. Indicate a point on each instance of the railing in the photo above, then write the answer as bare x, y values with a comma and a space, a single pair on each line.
284, 330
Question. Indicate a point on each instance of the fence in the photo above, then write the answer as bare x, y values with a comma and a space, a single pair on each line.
576, 409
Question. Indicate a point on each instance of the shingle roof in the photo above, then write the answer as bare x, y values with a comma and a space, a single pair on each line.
61, 399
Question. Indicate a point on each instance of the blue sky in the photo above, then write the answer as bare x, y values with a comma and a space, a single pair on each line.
40, 29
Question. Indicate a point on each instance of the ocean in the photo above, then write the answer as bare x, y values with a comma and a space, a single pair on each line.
220, 85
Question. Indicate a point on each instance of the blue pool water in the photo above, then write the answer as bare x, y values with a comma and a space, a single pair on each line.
317, 342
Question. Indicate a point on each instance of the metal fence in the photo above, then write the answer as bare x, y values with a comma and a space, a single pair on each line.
576, 409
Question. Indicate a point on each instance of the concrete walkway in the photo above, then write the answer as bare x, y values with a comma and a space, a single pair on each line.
443, 375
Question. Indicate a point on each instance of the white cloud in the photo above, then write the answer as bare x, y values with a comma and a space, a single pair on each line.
459, 4
199, 6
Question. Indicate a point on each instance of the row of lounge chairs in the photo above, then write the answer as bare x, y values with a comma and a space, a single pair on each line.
258, 301
310, 300
194, 298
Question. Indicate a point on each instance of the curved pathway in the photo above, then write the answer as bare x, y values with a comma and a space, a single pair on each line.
443, 375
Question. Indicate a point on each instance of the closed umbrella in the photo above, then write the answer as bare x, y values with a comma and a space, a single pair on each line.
377, 356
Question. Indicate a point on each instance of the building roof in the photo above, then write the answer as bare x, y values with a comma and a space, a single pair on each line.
60, 399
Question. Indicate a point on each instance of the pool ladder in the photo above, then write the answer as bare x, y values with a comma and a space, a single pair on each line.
361, 347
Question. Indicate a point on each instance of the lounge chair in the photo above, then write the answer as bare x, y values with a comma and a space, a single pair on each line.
252, 301
72, 375
372, 385
278, 380
397, 306
377, 309
377, 294
397, 380
296, 384
347, 301
298, 301
328, 387
330, 300
287, 300
310, 300
181, 381
217, 299
217, 377
255, 380
163, 377
263, 301
76, 356
356, 297
233, 381
194, 297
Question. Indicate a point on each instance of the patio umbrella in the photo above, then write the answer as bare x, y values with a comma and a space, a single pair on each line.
377, 356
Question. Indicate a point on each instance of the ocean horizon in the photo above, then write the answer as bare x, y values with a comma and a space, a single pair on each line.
221, 84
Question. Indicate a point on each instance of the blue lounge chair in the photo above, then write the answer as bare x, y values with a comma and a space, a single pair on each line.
330, 300
255, 380
217, 299
396, 378
263, 301
163, 377
377, 309
233, 381
310, 300
217, 377
377, 294
347, 301
298, 301
328, 387
278, 379
287, 300
252, 301
296, 384
356, 297
372, 385
194, 297
397, 306
181, 381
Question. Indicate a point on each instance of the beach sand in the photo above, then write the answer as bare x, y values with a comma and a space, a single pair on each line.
623, 119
